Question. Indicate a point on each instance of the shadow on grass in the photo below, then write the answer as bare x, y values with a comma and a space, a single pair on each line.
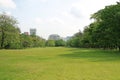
93, 55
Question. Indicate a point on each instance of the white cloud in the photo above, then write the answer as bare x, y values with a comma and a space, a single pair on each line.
7, 4
38, 21
89, 7
8, 13
83, 9
76, 12
50, 21
55, 20
43, 0
64, 24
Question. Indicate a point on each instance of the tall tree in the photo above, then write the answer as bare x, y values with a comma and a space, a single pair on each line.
9, 32
109, 26
50, 43
75, 40
60, 42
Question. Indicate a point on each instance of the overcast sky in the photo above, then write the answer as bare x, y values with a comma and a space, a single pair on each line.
62, 17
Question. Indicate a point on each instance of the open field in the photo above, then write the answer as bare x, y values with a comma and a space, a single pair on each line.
59, 64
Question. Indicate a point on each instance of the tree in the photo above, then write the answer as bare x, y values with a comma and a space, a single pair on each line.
107, 30
9, 32
37, 41
50, 43
26, 41
104, 32
59, 42
75, 41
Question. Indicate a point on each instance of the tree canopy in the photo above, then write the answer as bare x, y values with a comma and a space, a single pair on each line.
104, 32
11, 38
9, 32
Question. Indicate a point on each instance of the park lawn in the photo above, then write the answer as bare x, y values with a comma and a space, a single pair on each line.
59, 64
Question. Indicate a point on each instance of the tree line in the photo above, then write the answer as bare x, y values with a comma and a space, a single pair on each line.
11, 37
104, 32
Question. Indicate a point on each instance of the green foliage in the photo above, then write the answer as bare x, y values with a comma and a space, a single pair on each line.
103, 32
50, 43
37, 41
28, 41
60, 42
107, 30
75, 41
9, 32
10, 37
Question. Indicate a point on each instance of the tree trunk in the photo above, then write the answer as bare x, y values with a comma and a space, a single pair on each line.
2, 40
119, 48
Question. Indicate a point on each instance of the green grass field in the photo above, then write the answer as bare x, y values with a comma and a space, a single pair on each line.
59, 64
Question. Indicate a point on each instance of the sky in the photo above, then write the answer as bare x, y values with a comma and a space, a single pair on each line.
62, 17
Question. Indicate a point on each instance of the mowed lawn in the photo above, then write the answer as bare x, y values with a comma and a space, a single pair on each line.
59, 64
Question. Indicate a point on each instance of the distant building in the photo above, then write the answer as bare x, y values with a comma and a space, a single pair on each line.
32, 31
26, 33
54, 37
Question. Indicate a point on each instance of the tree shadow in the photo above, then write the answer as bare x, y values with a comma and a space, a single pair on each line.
93, 55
